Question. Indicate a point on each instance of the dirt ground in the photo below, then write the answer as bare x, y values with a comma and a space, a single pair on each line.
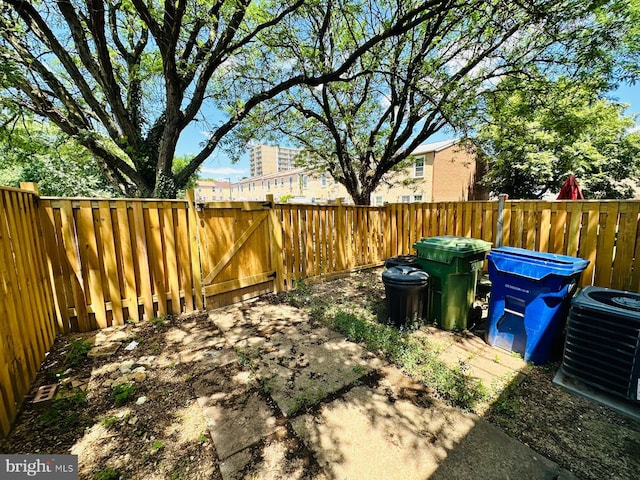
153, 430
152, 426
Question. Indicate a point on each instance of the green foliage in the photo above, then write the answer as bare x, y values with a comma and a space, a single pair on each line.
540, 132
179, 164
78, 349
432, 78
107, 474
107, 422
415, 355
159, 322
156, 445
63, 412
128, 89
33, 151
123, 393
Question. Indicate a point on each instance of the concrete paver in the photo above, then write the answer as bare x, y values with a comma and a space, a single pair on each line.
385, 426
365, 435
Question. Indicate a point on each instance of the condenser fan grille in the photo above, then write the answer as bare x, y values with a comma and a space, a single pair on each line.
601, 347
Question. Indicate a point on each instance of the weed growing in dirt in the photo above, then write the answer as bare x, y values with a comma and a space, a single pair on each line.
415, 355
267, 384
247, 357
156, 445
122, 393
301, 295
77, 352
107, 474
106, 422
63, 411
159, 322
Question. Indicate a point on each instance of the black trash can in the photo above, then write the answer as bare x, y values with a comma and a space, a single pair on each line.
402, 261
406, 291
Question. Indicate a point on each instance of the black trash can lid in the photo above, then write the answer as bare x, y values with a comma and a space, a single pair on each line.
405, 275
403, 259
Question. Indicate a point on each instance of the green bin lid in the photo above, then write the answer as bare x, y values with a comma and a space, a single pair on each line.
453, 246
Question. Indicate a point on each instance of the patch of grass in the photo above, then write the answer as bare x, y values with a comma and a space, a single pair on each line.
359, 370
159, 322
78, 349
124, 392
247, 357
63, 412
107, 422
301, 295
107, 474
415, 356
308, 398
202, 438
156, 445
267, 384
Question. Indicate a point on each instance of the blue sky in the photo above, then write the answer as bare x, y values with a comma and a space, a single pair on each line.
220, 167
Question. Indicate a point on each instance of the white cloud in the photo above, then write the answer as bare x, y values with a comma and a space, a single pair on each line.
223, 171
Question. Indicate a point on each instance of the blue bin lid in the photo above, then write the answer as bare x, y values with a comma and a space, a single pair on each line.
535, 265
405, 275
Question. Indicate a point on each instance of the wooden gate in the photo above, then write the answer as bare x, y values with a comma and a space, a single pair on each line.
241, 251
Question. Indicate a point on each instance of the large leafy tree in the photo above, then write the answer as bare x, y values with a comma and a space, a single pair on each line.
35, 151
435, 76
136, 73
538, 133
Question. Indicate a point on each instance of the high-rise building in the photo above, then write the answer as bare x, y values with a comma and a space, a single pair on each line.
265, 159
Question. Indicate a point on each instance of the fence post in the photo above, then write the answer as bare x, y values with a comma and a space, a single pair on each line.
275, 243
194, 236
31, 186
341, 262
501, 199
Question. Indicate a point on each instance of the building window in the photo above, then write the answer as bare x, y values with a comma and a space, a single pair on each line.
378, 201
268, 184
323, 180
405, 199
417, 198
418, 167
282, 182
291, 182
305, 181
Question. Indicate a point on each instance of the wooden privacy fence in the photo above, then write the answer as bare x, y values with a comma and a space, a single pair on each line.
27, 318
81, 264
321, 241
114, 261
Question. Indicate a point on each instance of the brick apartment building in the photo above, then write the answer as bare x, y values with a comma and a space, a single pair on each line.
438, 172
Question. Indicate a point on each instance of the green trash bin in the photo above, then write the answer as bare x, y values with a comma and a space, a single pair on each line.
453, 264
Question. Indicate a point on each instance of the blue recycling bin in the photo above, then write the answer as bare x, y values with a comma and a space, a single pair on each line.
530, 299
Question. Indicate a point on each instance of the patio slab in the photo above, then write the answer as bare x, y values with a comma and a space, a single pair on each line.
351, 414
365, 435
